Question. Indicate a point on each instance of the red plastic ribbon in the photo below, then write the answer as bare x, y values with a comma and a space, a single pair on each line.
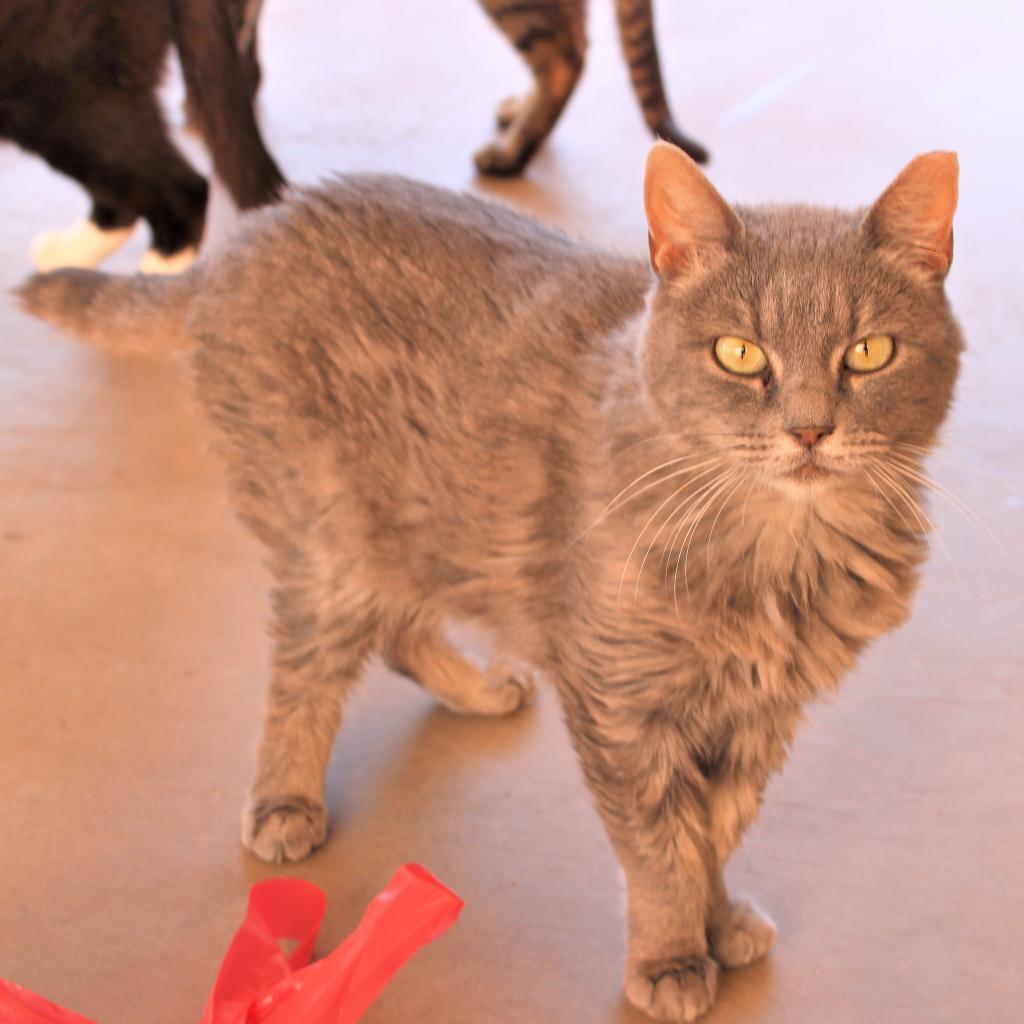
259, 983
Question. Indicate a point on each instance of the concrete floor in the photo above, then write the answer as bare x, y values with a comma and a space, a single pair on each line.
132, 650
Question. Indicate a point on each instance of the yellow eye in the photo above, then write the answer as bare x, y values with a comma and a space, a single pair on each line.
870, 353
740, 356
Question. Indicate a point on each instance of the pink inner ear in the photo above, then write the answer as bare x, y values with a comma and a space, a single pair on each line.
689, 223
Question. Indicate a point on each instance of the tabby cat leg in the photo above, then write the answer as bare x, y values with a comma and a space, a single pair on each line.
636, 30
316, 663
551, 41
426, 659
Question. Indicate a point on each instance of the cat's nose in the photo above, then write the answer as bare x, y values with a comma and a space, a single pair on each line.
810, 436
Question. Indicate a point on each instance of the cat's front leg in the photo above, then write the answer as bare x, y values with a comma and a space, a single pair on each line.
285, 815
669, 972
321, 646
653, 799
740, 933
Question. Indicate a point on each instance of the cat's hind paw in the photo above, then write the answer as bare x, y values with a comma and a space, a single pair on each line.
511, 687
504, 157
84, 244
679, 990
508, 110
283, 828
744, 936
154, 262
668, 131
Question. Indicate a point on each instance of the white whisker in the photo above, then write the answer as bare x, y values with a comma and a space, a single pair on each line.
654, 515
688, 540
912, 471
613, 507
725, 502
925, 522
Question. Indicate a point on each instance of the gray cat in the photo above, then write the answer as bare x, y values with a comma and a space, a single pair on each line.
689, 498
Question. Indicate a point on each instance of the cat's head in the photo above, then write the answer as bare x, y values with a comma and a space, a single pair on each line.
808, 346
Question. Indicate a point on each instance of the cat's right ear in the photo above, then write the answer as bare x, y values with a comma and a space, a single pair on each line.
689, 225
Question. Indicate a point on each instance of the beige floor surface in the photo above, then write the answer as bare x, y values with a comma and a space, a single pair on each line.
132, 647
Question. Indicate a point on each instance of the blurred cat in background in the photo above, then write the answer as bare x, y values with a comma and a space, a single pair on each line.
551, 37
77, 87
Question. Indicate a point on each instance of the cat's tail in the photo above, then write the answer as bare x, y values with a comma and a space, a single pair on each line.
636, 30
122, 315
219, 90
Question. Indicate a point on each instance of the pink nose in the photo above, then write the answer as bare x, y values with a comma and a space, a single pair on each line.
810, 436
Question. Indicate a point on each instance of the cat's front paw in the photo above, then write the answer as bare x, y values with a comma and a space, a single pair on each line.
283, 828
743, 936
679, 990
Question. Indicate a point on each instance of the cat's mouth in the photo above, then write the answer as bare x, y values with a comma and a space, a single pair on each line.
808, 470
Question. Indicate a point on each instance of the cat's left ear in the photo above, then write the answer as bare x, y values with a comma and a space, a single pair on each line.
913, 218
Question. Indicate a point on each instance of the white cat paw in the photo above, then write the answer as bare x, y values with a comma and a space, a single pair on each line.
81, 245
154, 262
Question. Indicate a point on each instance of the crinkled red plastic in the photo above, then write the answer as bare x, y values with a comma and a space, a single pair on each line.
259, 984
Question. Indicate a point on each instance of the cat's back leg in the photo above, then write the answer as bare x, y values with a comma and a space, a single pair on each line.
551, 38
640, 48
417, 650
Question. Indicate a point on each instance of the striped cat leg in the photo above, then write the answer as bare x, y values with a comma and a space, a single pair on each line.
550, 37
636, 31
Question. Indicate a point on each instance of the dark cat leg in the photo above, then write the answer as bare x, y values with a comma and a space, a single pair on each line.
551, 39
118, 148
653, 801
215, 72
636, 31
245, 20
424, 657
324, 635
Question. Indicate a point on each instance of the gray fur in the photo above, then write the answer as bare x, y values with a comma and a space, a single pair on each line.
428, 404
